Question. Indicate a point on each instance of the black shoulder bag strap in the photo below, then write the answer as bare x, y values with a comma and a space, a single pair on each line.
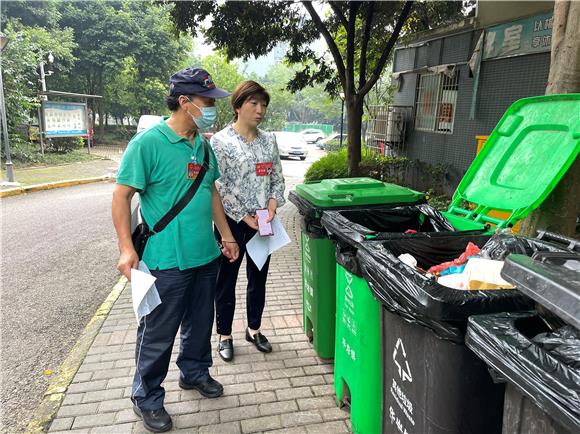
178, 207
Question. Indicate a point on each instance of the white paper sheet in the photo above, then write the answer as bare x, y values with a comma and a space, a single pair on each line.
144, 292
259, 248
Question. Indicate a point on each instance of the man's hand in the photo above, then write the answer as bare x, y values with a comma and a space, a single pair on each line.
128, 259
251, 221
230, 250
272, 206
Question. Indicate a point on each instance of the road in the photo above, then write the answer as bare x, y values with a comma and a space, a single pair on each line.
58, 265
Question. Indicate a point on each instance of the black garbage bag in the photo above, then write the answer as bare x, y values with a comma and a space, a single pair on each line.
354, 226
505, 341
504, 243
420, 299
563, 344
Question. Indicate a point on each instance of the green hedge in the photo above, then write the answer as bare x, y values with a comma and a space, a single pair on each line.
334, 145
332, 165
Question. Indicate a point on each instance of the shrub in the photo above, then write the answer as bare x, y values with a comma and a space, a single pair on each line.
332, 165
334, 145
64, 145
335, 165
438, 201
396, 170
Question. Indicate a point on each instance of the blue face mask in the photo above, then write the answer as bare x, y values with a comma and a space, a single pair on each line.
207, 118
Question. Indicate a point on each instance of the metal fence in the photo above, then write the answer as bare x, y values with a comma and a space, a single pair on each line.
386, 129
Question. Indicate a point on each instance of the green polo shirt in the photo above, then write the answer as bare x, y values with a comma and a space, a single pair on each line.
155, 163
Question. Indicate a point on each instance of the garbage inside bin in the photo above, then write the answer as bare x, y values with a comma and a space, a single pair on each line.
418, 297
354, 226
539, 358
563, 344
423, 327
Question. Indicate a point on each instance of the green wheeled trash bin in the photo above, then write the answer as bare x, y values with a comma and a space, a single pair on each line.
357, 362
537, 354
318, 251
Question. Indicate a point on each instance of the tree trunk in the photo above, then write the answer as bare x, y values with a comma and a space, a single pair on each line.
560, 210
354, 112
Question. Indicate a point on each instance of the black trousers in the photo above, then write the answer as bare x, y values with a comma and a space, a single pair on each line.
225, 298
186, 300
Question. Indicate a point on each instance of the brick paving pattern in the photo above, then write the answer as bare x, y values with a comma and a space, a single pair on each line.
287, 391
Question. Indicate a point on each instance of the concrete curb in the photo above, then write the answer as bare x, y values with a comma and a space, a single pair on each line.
51, 185
54, 395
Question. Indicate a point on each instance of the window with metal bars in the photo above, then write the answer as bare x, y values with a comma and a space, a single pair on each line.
436, 102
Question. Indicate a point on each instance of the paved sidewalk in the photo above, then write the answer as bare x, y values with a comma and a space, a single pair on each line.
289, 390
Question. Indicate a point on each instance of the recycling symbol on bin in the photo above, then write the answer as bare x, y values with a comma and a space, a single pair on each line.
348, 289
404, 371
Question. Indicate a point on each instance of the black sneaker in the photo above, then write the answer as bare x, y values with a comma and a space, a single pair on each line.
209, 388
154, 420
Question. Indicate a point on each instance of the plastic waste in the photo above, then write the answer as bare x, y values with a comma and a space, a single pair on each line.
457, 269
420, 299
455, 281
563, 344
503, 243
485, 274
405, 258
470, 250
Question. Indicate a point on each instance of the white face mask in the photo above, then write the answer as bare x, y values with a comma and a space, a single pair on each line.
208, 116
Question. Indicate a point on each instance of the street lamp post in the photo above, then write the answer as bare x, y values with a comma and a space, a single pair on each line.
341, 117
43, 75
9, 166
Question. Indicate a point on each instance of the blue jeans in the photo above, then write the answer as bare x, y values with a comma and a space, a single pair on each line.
187, 300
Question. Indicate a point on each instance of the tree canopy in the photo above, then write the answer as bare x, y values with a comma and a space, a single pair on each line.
124, 51
359, 37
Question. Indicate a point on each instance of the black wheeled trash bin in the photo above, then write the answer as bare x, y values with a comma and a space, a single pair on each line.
537, 353
432, 383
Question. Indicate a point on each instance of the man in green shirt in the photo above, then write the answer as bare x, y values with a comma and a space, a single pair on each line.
161, 163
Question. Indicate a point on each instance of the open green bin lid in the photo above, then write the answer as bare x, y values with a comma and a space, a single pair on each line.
524, 158
347, 192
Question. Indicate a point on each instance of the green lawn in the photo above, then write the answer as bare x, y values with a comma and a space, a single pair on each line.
94, 167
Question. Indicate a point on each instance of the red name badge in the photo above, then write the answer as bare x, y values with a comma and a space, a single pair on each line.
264, 169
193, 170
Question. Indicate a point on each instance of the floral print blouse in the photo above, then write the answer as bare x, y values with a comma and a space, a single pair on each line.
251, 172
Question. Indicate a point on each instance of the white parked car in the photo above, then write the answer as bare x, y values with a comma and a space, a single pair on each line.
147, 121
332, 138
291, 144
312, 135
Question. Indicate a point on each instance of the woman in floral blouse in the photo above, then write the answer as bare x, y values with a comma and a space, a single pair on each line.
251, 179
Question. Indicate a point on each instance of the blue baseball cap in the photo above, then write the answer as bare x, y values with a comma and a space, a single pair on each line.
194, 81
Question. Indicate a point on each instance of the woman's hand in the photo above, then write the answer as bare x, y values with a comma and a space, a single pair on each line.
272, 206
251, 221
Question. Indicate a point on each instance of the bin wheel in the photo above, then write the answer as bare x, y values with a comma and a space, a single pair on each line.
309, 330
344, 400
